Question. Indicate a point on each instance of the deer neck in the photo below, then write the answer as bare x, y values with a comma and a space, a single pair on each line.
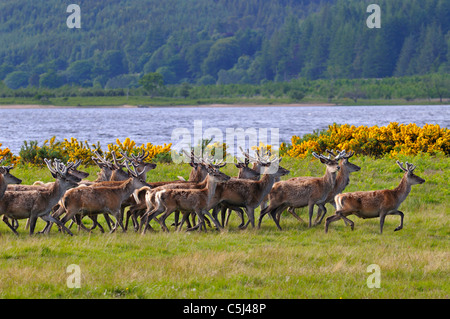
103, 175
54, 192
403, 189
267, 182
3, 185
211, 185
342, 178
330, 179
127, 188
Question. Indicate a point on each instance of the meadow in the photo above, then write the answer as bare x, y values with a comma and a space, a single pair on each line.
297, 262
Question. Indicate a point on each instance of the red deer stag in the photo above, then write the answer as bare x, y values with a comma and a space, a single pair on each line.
372, 204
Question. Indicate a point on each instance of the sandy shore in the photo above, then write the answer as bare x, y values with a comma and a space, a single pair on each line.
36, 106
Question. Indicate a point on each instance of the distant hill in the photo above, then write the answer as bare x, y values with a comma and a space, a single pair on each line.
219, 41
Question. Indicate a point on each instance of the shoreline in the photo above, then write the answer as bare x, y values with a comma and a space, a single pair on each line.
25, 105
47, 106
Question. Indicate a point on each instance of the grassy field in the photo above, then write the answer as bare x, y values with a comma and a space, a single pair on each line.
88, 101
298, 262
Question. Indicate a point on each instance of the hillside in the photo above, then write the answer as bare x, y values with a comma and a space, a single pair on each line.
221, 41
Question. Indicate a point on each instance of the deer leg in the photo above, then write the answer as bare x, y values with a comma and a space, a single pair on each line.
201, 222
223, 214
401, 219
185, 219
261, 215
118, 216
108, 221
321, 213
251, 217
311, 212
162, 220
382, 217
338, 215
50, 218
96, 223
240, 212
275, 214
148, 216
6, 221
127, 218
33, 220
215, 221
176, 219
293, 213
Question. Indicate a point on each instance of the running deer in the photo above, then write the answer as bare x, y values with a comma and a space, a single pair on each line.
342, 180
198, 200
245, 172
100, 199
372, 204
38, 203
305, 192
197, 179
249, 194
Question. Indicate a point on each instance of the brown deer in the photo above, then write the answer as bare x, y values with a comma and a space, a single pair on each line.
198, 200
305, 192
249, 194
196, 177
245, 172
96, 200
342, 180
379, 203
38, 203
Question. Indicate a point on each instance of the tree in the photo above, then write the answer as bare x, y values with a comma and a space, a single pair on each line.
79, 71
50, 80
404, 66
17, 79
222, 55
437, 85
152, 82
112, 63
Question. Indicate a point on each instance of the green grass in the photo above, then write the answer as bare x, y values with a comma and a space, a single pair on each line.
87, 101
298, 262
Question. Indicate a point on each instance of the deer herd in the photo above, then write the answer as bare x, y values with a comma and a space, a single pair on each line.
121, 184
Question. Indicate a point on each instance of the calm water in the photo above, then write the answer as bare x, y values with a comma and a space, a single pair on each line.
155, 125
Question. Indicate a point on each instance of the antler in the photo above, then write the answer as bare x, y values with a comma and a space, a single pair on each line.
401, 166
74, 165
134, 172
410, 167
100, 160
321, 156
58, 167
341, 154
116, 163
248, 157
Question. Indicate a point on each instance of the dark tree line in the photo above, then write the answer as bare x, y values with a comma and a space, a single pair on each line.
219, 42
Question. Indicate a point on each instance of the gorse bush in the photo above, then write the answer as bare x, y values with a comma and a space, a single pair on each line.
7, 156
375, 141
73, 150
